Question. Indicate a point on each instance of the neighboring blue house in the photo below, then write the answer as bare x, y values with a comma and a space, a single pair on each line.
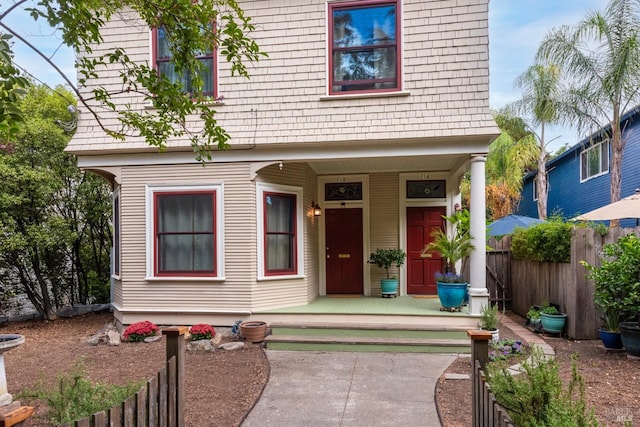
579, 179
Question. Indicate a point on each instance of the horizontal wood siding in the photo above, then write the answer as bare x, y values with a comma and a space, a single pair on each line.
445, 54
240, 236
384, 205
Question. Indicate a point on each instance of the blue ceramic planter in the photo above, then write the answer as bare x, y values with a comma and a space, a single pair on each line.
553, 323
610, 339
451, 294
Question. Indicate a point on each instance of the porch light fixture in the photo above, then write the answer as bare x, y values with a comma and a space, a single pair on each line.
317, 210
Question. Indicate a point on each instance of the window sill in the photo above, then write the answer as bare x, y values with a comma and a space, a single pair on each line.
185, 279
365, 95
282, 277
149, 105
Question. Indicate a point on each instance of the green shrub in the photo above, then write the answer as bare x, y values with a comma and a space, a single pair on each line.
545, 242
77, 397
537, 396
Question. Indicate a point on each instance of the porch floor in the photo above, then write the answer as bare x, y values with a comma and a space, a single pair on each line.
376, 312
403, 306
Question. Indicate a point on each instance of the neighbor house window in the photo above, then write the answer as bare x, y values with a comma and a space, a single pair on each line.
163, 61
280, 230
364, 40
594, 161
185, 231
115, 255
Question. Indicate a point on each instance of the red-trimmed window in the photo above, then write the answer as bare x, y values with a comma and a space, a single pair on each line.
163, 63
364, 40
184, 231
280, 228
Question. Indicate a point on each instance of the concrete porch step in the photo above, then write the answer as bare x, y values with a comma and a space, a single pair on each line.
367, 338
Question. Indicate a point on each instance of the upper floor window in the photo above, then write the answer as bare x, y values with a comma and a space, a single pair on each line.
594, 161
184, 237
163, 62
364, 44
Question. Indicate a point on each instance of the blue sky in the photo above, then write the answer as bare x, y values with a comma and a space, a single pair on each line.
516, 28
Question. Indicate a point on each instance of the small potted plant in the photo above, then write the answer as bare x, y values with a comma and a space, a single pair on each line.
453, 246
534, 319
385, 258
552, 319
489, 320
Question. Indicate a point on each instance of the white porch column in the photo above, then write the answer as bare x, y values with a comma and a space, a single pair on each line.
478, 293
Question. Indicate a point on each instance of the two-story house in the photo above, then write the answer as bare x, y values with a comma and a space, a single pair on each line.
579, 179
332, 156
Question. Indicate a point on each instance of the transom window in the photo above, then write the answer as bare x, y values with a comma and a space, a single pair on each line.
184, 239
280, 230
594, 161
163, 60
364, 46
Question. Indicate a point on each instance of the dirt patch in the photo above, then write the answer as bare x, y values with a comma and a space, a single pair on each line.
612, 382
221, 387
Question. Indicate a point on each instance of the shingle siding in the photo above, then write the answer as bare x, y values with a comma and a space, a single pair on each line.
445, 71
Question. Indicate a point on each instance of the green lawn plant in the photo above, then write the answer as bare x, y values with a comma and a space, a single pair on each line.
537, 396
617, 281
76, 397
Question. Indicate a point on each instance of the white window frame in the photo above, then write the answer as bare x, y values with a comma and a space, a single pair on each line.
150, 191
116, 215
262, 188
604, 169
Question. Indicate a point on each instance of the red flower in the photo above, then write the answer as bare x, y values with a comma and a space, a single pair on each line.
202, 331
140, 330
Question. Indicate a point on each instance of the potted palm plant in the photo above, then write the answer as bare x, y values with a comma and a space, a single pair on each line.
617, 289
454, 245
385, 258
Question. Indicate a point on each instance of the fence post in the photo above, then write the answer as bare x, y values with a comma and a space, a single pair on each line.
175, 347
480, 352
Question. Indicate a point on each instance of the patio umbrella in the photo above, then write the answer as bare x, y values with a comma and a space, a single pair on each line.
508, 224
629, 207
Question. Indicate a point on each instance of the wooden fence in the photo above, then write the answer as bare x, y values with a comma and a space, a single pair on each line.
160, 403
529, 283
486, 411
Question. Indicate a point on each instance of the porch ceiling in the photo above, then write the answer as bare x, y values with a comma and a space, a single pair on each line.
388, 164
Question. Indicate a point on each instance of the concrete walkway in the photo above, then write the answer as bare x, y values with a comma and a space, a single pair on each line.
349, 389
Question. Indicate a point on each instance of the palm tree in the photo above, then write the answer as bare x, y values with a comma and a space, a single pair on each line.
601, 57
540, 101
509, 156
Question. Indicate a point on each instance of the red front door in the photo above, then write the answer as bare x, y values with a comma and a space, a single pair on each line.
421, 267
344, 251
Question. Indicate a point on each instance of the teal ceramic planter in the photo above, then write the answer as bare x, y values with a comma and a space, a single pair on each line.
553, 323
451, 294
389, 286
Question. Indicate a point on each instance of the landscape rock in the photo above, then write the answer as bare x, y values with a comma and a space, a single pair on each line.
97, 338
113, 338
201, 345
153, 338
230, 346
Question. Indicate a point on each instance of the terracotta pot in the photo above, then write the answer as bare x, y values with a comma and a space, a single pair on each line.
253, 330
